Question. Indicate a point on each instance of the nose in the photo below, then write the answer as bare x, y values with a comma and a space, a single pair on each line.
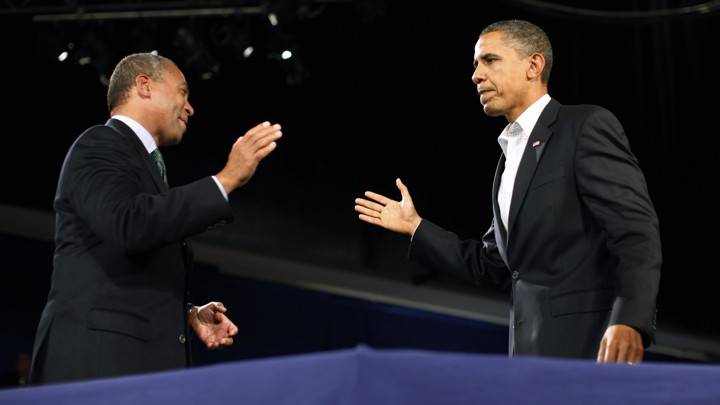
188, 109
477, 76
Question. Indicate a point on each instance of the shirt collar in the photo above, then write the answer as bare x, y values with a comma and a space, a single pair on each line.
529, 117
140, 131
526, 120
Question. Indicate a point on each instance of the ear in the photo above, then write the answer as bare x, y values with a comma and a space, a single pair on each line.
142, 85
537, 65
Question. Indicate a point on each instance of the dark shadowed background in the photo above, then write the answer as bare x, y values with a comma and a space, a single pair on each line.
375, 89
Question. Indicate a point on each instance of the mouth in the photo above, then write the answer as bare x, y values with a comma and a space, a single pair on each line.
485, 95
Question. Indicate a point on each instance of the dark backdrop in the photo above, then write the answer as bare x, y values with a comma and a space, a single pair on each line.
379, 90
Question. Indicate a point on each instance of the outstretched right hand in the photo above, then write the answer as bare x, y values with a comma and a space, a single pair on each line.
246, 154
397, 216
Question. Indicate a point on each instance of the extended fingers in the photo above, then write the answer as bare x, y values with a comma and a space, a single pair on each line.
367, 208
264, 131
370, 207
262, 136
269, 134
258, 128
381, 199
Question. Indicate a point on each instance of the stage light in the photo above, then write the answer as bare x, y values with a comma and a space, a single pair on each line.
194, 55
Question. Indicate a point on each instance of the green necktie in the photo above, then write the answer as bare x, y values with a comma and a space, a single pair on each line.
157, 157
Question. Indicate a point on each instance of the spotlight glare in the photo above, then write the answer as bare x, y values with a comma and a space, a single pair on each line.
248, 51
273, 19
286, 55
63, 56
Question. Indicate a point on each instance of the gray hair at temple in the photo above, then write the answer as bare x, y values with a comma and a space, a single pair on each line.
123, 77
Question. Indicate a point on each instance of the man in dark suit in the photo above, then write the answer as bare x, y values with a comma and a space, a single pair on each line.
574, 232
118, 302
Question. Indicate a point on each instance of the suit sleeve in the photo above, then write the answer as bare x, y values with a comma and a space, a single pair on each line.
476, 261
613, 188
113, 190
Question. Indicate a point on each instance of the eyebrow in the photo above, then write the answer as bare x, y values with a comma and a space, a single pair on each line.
489, 55
486, 56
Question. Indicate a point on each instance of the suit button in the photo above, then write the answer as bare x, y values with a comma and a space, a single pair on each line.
515, 275
181, 339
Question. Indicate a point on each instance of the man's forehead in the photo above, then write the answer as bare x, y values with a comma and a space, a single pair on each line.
175, 74
490, 44
489, 40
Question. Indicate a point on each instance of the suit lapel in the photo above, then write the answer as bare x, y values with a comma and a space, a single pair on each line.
531, 157
153, 171
500, 232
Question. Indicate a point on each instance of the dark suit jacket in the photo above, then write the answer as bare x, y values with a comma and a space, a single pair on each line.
584, 247
117, 303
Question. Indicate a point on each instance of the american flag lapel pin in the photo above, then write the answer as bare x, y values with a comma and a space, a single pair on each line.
536, 144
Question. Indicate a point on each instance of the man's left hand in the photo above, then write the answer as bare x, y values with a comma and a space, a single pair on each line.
621, 344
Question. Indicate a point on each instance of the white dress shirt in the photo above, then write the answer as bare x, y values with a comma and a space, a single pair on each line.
513, 140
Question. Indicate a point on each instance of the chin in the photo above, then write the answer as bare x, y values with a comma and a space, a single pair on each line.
491, 112
175, 140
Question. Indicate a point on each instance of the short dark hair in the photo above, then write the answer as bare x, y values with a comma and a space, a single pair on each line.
125, 72
526, 38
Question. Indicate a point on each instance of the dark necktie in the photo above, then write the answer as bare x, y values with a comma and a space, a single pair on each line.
157, 157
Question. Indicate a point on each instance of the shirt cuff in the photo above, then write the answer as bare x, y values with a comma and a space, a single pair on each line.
220, 186
415, 230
